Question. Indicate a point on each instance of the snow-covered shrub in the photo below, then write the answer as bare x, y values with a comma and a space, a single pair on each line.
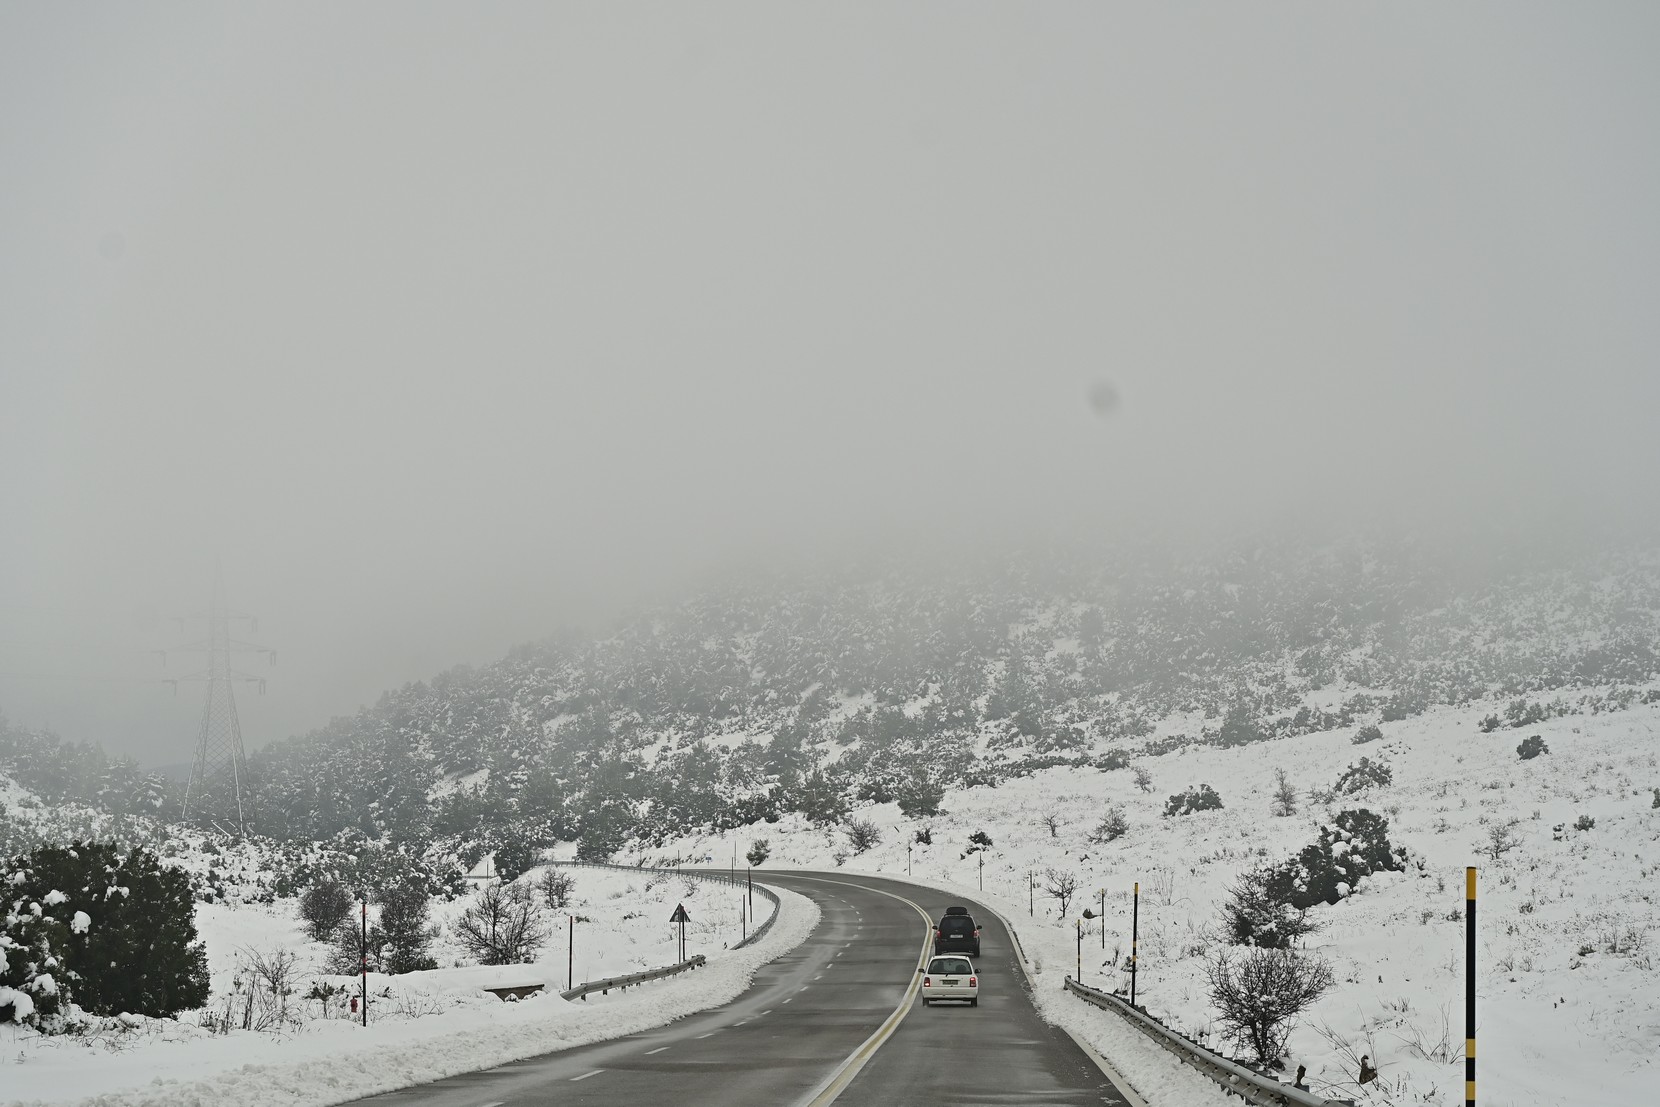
1203, 798
323, 907
862, 834
1367, 774
1285, 795
131, 942
1239, 728
1584, 822
1112, 826
1259, 910
35, 980
979, 840
1265, 907
1531, 747
919, 796
1367, 734
759, 851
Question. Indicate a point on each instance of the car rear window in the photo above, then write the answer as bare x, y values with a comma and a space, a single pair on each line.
947, 965
956, 924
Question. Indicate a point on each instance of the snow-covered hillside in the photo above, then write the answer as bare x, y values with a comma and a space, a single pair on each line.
1569, 933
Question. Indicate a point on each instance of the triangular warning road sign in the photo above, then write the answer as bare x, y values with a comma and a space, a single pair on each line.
680, 915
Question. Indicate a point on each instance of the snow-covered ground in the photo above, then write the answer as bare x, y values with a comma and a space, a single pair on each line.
1567, 982
1569, 934
423, 1026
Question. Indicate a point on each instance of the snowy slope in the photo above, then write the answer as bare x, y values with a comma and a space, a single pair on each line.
424, 1026
1568, 992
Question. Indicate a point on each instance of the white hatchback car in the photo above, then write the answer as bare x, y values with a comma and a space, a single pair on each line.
950, 976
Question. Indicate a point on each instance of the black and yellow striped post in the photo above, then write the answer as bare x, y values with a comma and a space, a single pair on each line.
1135, 920
1470, 987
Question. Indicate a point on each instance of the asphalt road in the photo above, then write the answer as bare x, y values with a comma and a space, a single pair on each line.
788, 1040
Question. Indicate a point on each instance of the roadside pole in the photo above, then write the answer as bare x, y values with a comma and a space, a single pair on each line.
1135, 922
1470, 987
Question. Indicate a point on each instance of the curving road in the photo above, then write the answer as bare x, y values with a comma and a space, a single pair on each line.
836, 1019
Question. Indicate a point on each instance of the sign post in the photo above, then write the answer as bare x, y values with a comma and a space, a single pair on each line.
682, 918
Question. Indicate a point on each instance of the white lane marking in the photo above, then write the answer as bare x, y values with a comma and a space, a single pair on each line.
586, 1075
494, 1103
711, 1034
649, 1052
787, 1000
768, 1011
740, 1022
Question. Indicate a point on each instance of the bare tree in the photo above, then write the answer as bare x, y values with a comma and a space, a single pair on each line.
1143, 778
1259, 996
1285, 795
504, 927
557, 886
1062, 886
1053, 822
1501, 839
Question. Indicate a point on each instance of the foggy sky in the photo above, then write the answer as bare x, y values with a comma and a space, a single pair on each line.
448, 326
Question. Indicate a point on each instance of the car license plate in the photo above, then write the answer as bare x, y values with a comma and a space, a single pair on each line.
949, 982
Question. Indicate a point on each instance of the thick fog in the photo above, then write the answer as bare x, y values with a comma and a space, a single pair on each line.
446, 327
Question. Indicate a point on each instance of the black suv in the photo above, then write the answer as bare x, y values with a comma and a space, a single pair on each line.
956, 933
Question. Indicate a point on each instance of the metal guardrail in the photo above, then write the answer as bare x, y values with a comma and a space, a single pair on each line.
587, 988
1248, 1084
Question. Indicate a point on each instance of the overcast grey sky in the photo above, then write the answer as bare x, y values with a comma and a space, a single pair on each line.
448, 325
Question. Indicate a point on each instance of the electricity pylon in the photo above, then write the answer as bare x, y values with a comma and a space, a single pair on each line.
218, 791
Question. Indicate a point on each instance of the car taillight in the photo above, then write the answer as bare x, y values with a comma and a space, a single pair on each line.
973, 982
927, 983
976, 932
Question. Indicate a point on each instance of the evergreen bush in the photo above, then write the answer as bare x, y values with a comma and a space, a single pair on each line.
323, 907
128, 942
1203, 798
